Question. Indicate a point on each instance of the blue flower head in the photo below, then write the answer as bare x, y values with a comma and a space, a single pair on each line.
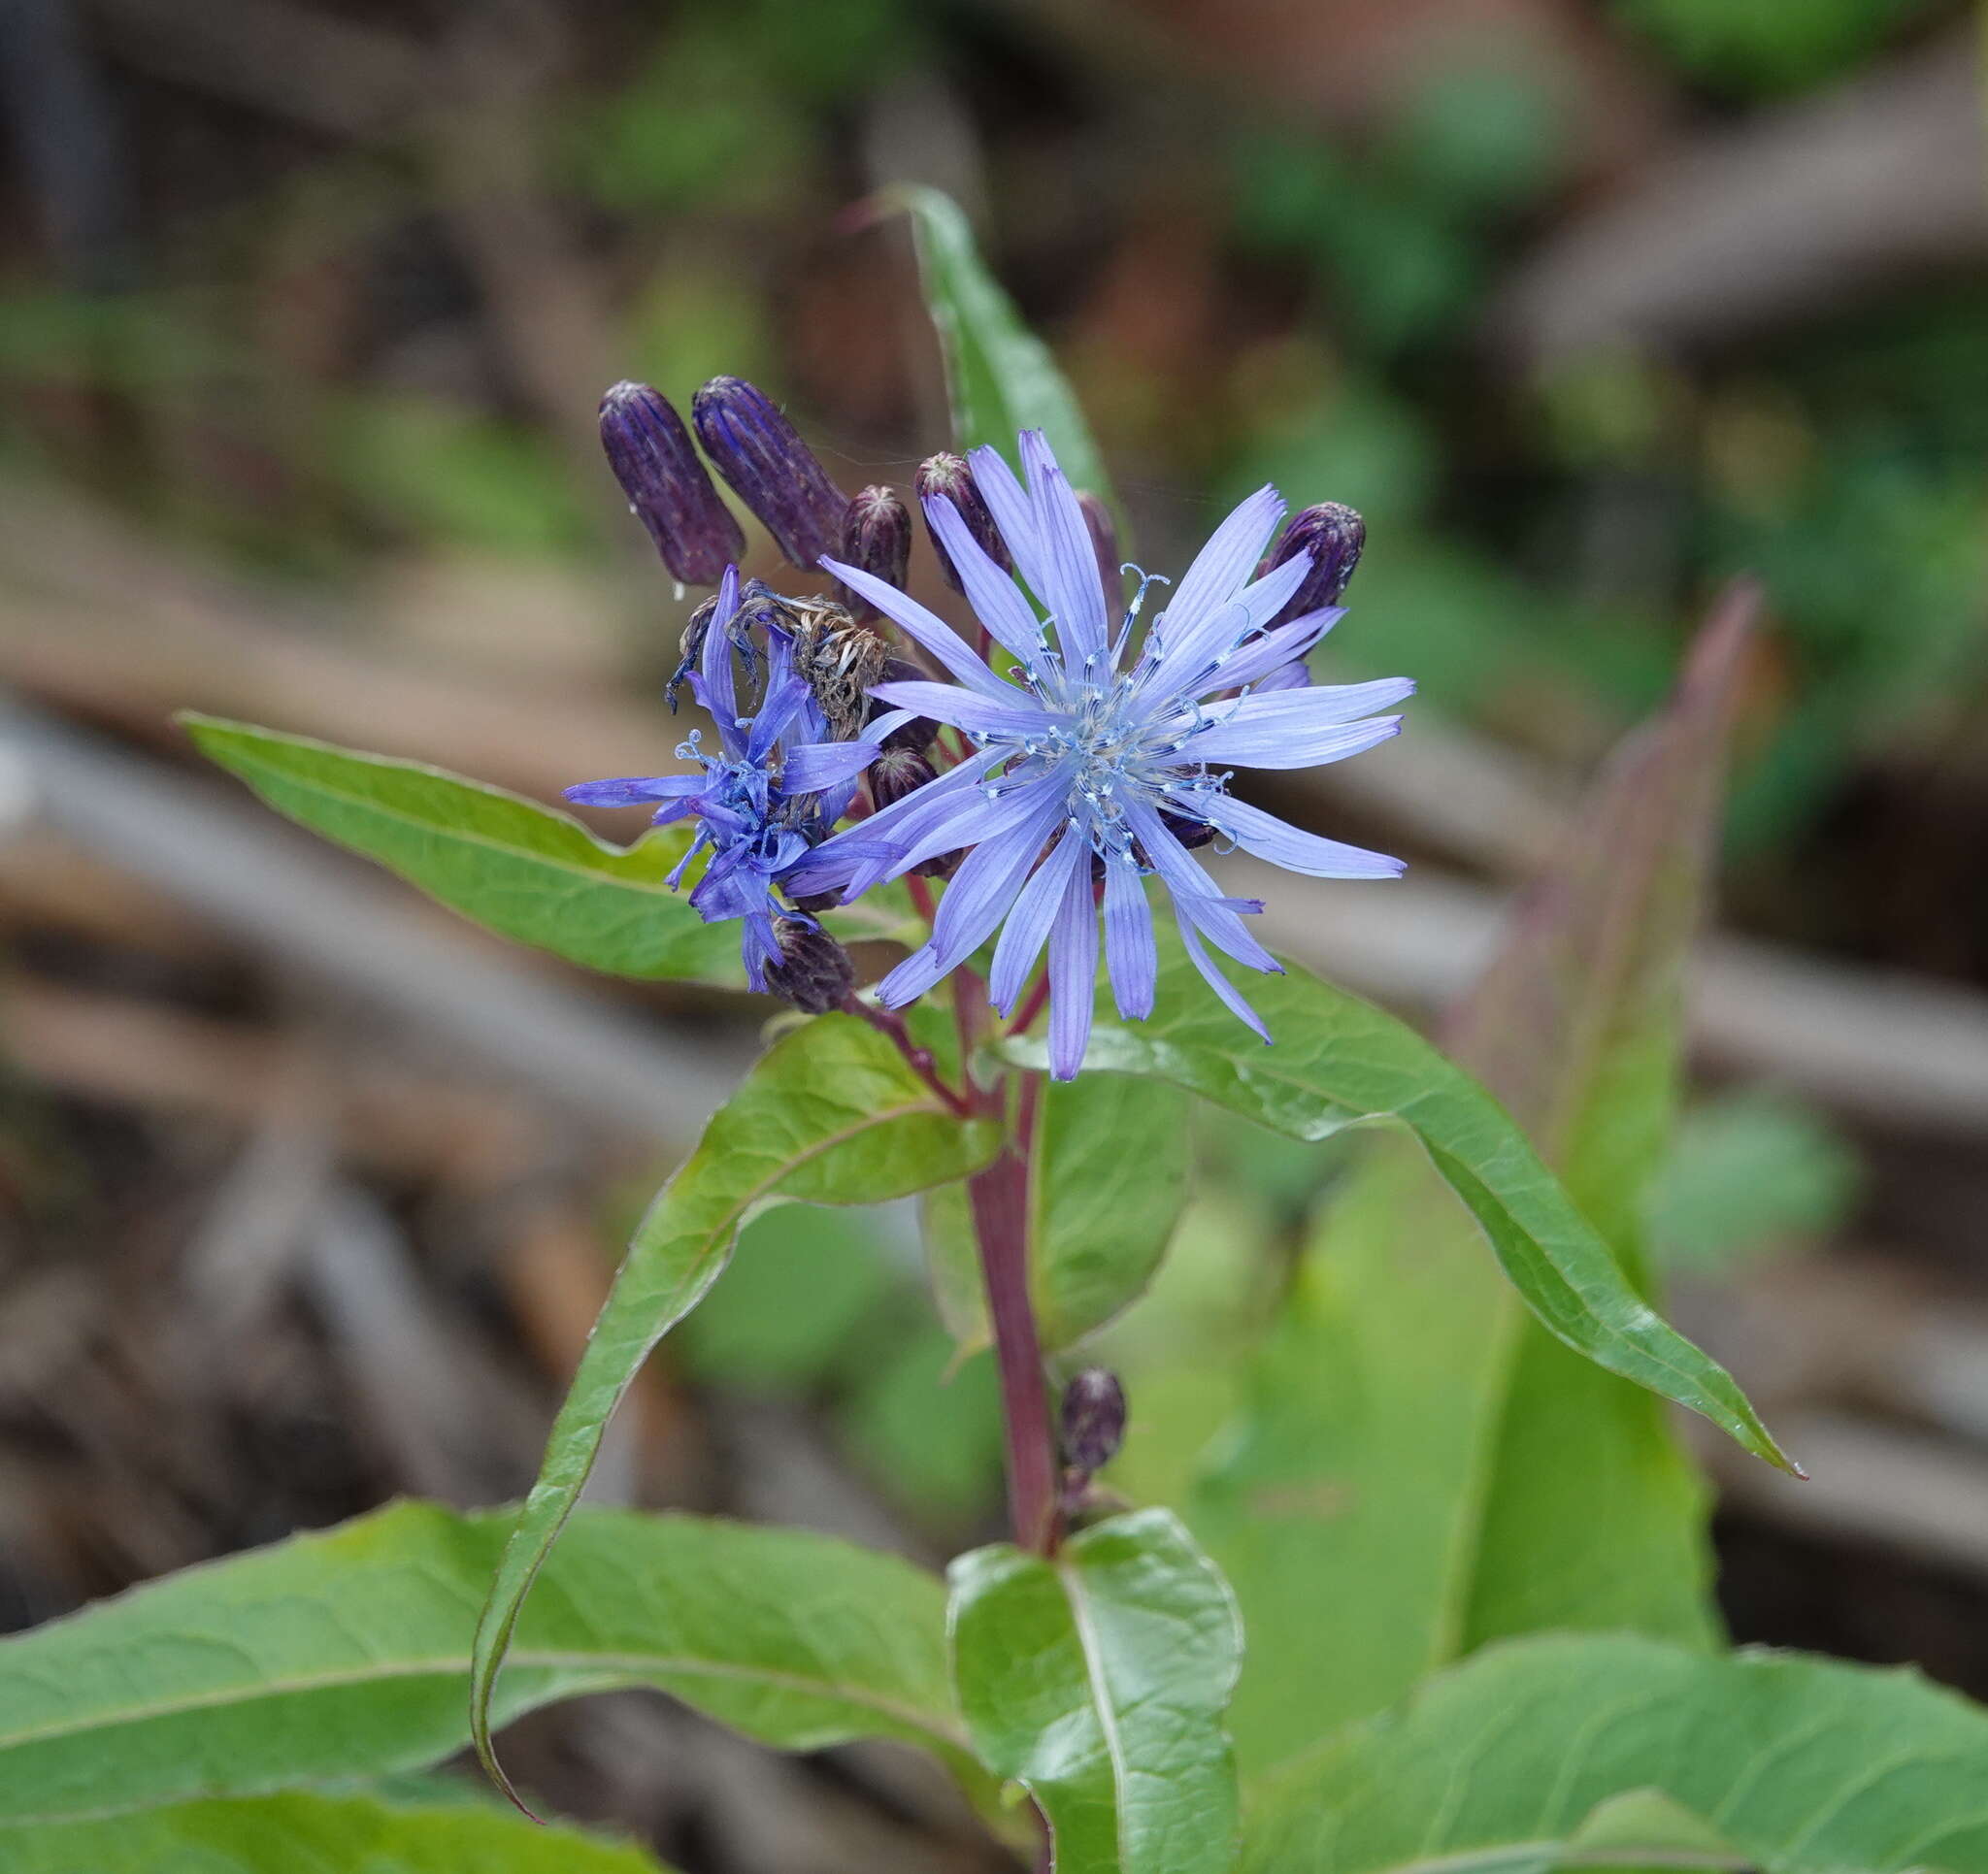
1097, 761
770, 794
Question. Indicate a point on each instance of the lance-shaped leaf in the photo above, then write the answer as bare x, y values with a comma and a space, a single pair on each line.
348, 1655
289, 1834
1339, 1061
1567, 1751
1097, 1680
1107, 1184
516, 867
1000, 377
1413, 1437
831, 1114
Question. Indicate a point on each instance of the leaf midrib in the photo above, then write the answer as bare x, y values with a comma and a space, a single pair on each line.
653, 888
541, 1659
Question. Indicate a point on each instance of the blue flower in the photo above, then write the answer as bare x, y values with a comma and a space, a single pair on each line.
1096, 767
771, 794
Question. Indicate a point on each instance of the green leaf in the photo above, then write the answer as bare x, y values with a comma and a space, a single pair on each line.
518, 868
1523, 1757
1339, 1061
1097, 1680
348, 1655
1110, 1177
291, 1834
1414, 1438
999, 375
830, 1114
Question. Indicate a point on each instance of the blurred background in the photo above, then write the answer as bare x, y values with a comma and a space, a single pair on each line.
309, 1193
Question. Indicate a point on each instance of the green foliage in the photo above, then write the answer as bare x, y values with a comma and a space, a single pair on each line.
1339, 1061
1412, 1440
1001, 377
1790, 1765
521, 868
831, 1114
445, 471
348, 1654
287, 1834
1109, 1178
1749, 1172
1097, 1680
1767, 46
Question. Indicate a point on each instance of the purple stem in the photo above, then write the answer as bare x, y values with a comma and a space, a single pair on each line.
999, 1197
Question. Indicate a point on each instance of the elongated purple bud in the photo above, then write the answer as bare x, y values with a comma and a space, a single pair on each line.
1103, 532
652, 457
813, 971
949, 475
877, 537
1093, 1420
771, 470
1334, 535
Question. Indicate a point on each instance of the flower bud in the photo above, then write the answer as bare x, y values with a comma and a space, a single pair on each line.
813, 972
896, 772
771, 471
1190, 833
877, 537
1334, 535
949, 475
1103, 532
918, 734
1093, 1420
652, 458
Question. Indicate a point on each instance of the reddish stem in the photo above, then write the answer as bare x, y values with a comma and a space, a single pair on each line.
1032, 1006
1000, 1201
921, 897
919, 1058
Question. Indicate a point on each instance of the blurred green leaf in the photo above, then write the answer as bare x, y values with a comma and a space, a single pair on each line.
1001, 377
1767, 46
525, 871
1522, 1759
1097, 1680
348, 1654
1339, 1061
289, 1834
800, 1283
1748, 1171
1412, 1439
439, 470
926, 1426
830, 1114
1109, 1178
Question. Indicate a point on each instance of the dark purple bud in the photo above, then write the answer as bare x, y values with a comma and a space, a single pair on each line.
1334, 535
896, 772
1093, 1420
1104, 531
771, 471
948, 476
815, 973
1190, 833
877, 535
652, 458
942, 867
918, 734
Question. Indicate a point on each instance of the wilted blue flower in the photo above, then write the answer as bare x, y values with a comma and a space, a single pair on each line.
771, 792
1089, 760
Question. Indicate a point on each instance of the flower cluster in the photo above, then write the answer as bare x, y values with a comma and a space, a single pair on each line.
1088, 758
